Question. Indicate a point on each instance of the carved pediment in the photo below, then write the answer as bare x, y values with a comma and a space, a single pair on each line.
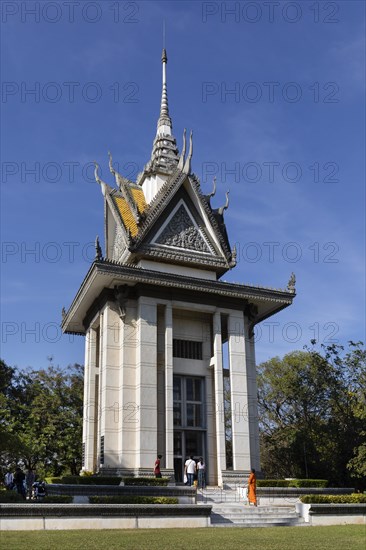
182, 232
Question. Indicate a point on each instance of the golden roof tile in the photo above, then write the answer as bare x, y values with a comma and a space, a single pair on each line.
126, 215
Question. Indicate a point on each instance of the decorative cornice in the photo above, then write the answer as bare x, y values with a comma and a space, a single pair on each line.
190, 257
135, 275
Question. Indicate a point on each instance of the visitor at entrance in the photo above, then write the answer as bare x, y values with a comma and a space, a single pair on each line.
157, 471
201, 468
30, 478
19, 480
9, 480
252, 488
190, 470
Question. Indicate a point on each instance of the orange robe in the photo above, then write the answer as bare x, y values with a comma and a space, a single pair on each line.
252, 489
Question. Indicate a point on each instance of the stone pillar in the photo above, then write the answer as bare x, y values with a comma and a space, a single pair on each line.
169, 425
109, 388
127, 381
252, 403
146, 378
89, 412
219, 397
239, 394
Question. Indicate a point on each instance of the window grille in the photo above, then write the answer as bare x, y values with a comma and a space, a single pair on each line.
187, 349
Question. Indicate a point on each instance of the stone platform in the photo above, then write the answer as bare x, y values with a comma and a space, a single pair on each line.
35, 517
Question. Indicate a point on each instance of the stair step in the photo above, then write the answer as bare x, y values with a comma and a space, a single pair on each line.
249, 525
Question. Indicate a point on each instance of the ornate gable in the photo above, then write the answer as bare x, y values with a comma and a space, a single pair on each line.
181, 231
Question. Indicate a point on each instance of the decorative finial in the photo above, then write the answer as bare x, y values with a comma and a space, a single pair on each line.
63, 313
291, 283
187, 164
226, 205
183, 153
111, 163
233, 257
98, 180
96, 175
98, 249
213, 192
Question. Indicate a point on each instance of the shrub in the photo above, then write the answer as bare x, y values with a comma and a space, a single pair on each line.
53, 480
317, 483
355, 498
131, 499
10, 496
272, 483
143, 481
90, 480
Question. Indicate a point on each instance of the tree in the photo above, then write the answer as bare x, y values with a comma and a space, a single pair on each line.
308, 414
10, 443
356, 365
44, 415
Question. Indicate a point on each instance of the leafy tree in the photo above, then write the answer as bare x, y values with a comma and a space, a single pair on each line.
311, 413
356, 365
9, 441
43, 418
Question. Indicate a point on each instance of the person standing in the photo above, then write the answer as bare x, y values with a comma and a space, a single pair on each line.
157, 471
201, 468
252, 488
19, 479
30, 478
190, 470
9, 480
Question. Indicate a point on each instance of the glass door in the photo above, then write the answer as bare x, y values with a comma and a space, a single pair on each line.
189, 421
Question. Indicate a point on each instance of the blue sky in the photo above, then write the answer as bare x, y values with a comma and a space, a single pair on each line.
274, 93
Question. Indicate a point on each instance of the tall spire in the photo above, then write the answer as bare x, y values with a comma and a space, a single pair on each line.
164, 118
164, 156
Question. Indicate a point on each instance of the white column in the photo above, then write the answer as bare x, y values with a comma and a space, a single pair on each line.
146, 364
239, 394
219, 397
90, 414
109, 387
252, 403
169, 425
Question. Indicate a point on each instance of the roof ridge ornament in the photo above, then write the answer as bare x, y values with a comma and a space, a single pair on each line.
183, 154
98, 249
187, 164
112, 170
233, 257
291, 285
226, 205
98, 180
213, 192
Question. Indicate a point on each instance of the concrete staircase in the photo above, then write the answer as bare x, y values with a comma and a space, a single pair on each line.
229, 511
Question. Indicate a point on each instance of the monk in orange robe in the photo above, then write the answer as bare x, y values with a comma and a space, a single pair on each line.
252, 488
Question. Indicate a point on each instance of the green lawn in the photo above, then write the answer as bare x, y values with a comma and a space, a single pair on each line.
349, 537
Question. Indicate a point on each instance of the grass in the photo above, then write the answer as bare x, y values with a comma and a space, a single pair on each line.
351, 537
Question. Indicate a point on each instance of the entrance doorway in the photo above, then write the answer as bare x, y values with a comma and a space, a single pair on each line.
189, 421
